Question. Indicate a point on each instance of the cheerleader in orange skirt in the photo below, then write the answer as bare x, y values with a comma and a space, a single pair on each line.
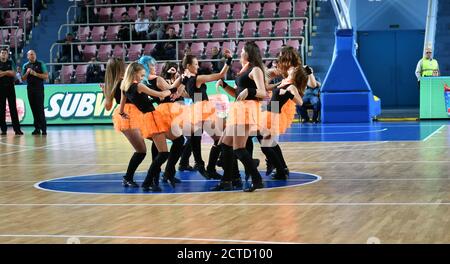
130, 127
243, 118
169, 111
153, 126
281, 109
203, 113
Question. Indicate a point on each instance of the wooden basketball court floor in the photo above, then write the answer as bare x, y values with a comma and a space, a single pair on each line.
375, 188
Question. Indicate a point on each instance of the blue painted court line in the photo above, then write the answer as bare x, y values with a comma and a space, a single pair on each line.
386, 131
192, 182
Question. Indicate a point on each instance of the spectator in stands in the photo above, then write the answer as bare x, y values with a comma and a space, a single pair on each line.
124, 31
94, 72
156, 28
426, 65
2, 21
141, 26
66, 54
311, 97
166, 50
18, 76
84, 11
216, 65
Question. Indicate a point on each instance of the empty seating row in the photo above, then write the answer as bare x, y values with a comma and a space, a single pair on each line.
8, 37
208, 11
16, 18
279, 28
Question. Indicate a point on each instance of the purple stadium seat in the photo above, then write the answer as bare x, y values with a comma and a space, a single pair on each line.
66, 73
209, 11
158, 68
188, 30
133, 13
148, 48
11, 18
262, 44
111, 33
134, 52
223, 11
293, 43
275, 47
89, 52
249, 29
296, 27
254, 10
164, 12
240, 46
300, 8
233, 29
284, 9
194, 11
179, 12
269, 9
236, 67
13, 41
117, 13
104, 52
218, 30
5, 3
104, 14
118, 51
280, 28
4, 35
83, 33
80, 73
203, 30
197, 48
265, 28
207, 65
238, 10
230, 45
209, 46
97, 33
25, 15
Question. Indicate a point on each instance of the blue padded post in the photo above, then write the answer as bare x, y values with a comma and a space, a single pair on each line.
346, 95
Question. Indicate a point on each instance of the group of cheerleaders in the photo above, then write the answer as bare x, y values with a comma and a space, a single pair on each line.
137, 89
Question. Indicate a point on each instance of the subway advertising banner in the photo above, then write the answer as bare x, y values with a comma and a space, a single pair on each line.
435, 97
67, 104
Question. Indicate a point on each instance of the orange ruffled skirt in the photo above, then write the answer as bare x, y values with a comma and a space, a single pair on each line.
246, 112
278, 123
201, 111
172, 113
134, 120
153, 123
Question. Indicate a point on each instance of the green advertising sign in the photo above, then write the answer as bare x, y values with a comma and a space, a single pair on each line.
73, 104
435, 97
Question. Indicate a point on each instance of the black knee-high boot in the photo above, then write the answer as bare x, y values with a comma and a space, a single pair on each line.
154, 151
174, 155
269, 165
225, 183
214, 154
196, 142
273, 158
243, 155
279, 154
152, 179
134, 163
184, 160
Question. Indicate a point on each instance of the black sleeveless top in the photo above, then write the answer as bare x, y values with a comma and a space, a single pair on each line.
243, 82
140, 100
192, 90
118, 94
281, 99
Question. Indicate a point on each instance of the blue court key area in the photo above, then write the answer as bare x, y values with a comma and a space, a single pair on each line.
193, 182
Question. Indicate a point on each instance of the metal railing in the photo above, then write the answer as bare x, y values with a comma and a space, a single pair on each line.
15, 37
430, 30
23, 17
